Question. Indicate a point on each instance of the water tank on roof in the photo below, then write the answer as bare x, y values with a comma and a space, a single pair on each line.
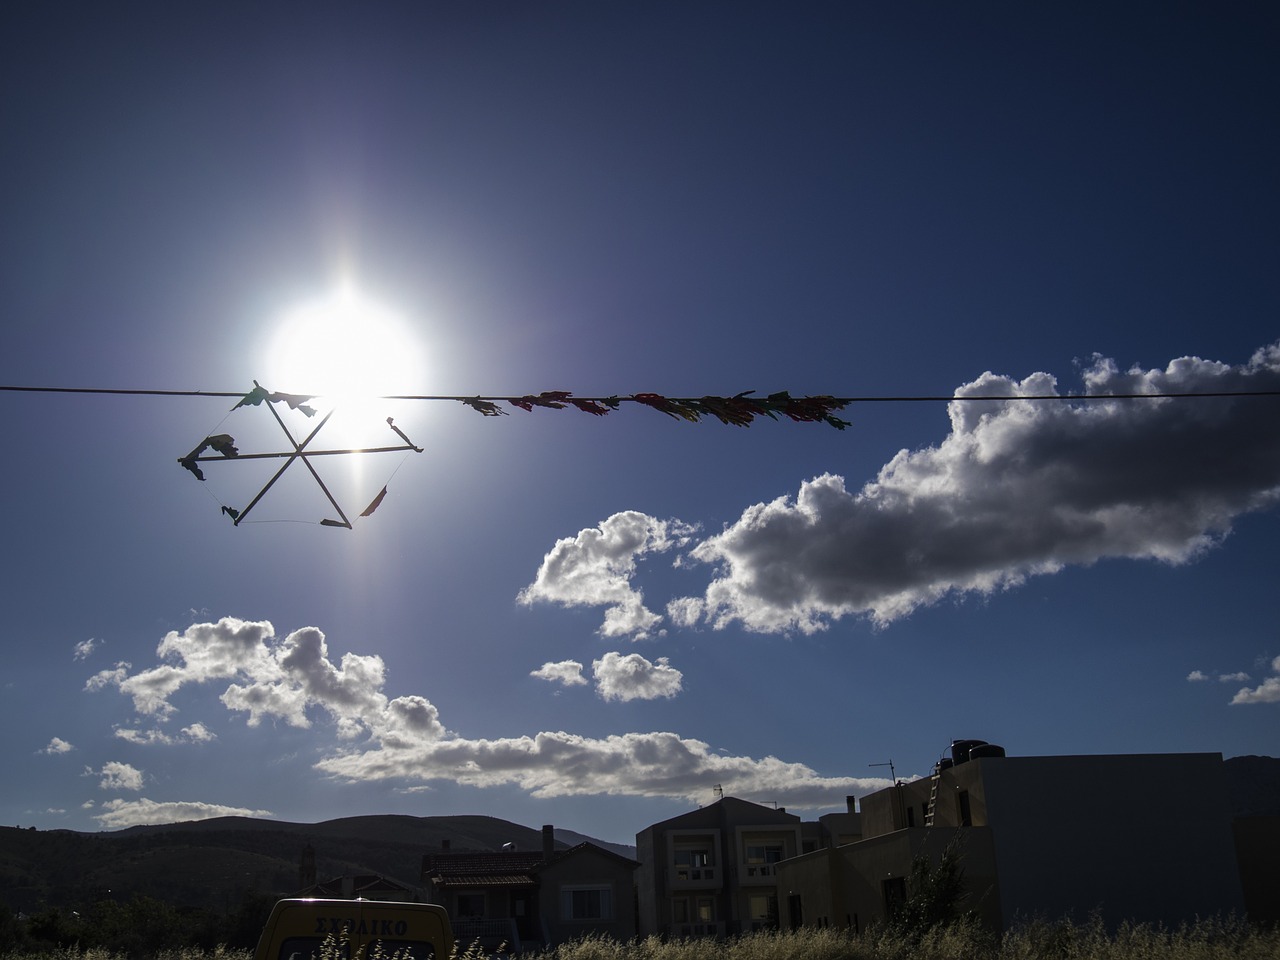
944, 764
985, 750
960, 749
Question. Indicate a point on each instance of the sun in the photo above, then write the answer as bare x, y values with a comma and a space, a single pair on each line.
344, 349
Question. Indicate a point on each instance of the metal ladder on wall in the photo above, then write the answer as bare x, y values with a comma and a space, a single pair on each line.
933, 798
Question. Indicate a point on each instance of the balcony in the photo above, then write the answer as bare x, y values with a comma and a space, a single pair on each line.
757, 874
681, 877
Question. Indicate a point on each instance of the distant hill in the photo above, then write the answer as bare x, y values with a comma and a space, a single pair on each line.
216, 863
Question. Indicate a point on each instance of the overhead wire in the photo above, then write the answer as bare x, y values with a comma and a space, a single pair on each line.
868, 398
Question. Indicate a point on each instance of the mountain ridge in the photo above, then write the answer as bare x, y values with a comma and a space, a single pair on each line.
217, 863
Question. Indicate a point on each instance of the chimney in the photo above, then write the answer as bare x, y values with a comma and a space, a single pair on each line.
851, 803
548, 842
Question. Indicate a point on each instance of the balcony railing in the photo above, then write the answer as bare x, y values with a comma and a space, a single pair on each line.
491, 932
757, 873
693, 878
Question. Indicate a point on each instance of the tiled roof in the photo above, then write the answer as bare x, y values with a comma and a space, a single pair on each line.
501, 869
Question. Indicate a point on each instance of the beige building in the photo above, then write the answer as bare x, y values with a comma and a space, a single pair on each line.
711, 872
1144, 837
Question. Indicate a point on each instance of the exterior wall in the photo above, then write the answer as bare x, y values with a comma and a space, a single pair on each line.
1079, 835
1258, 854
588, 870
840, 828
1066, 836
846, 887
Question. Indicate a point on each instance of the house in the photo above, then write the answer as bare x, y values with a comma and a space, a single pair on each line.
528, 899
364, 887
1144, 837
710, 872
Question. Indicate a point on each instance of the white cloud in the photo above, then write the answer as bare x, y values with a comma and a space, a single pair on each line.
1196, 676
405, 739
634, 678
595, 568
567, 672
132, 813
1017, 489
58, 745
633, 764
1238, 677
117, 776
84, 649
109, 678
1266, 692
269, 678
195, 733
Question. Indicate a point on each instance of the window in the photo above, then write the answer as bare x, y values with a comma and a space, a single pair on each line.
911, 816
470, 905
586, 903
762, 856
764, 852
764, 911
694, 863
706, 910
966, 815
680, 910
693, 857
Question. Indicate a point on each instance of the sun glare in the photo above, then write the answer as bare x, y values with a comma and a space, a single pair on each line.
344, 349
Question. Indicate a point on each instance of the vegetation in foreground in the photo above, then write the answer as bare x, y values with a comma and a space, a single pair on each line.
1206, 940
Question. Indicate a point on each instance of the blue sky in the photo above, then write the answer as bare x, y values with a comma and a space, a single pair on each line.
593, 621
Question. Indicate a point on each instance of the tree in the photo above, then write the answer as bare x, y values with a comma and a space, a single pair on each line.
934, 893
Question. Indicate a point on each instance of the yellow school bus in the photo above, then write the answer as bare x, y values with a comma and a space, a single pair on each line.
302, 929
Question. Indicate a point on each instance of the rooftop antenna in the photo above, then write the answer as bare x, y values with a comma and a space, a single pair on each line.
888, 764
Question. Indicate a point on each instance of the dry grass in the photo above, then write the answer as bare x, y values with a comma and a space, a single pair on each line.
1208, 940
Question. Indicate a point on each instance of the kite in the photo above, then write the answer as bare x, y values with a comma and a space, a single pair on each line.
224, 448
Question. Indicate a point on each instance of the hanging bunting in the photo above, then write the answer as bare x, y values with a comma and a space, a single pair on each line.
738, 411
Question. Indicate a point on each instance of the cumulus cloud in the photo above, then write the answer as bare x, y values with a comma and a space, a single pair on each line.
1238, 677
564, 764
567, 672
109, 678
595, 569
84, 649
58, 745
634, 678
1017, 489
119, 814
1196, 676
117, 776
1266, 692
267, 678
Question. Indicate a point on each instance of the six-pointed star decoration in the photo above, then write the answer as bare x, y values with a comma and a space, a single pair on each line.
224, 448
